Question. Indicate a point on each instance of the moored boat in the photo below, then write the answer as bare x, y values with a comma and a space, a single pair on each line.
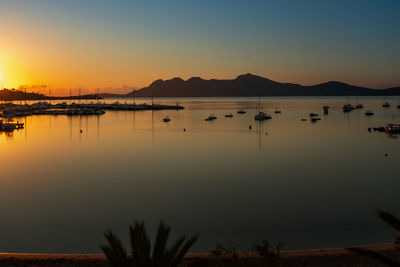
359, 106
392, 128
348, 107
211, 117
326, 109
10, 126
166, 119
262, 116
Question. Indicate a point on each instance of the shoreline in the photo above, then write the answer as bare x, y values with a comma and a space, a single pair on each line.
314, 257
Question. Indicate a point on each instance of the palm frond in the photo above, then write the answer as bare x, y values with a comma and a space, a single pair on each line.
160, 242
389, 219
140, 243
115, 251
169, 255
184, 249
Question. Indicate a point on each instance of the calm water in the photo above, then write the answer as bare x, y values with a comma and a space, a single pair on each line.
310, 185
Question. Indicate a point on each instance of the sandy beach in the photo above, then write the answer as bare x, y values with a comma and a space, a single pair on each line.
323, 257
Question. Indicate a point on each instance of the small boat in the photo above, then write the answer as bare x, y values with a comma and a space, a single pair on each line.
9, 126
392, 128
262, 116
359, 106
166, 119
278, 112
211, 117
348, 108
326, 109
313, 114
230, 115
315, 119
241, 111
386, 105
369, 113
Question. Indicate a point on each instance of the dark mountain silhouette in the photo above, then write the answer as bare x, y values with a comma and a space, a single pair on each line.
251, 85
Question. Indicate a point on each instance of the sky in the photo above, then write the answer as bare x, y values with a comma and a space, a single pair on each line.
117, 45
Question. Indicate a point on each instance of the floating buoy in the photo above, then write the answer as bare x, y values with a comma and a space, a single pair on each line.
81, 130
184, 129
249, 127
386, 154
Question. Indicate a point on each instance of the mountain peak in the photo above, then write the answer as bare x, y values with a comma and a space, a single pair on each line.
195, 79
334, 83
249, 76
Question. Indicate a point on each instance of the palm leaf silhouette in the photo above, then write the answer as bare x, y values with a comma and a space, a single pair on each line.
141, 248
394, 222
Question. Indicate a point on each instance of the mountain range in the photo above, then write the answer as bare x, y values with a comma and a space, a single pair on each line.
251, 85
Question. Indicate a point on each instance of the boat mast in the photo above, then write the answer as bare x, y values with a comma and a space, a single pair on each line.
152, 95
259, 101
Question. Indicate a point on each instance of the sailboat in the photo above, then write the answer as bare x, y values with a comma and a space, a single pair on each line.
348, 107
359, 106
261, 115
386, 104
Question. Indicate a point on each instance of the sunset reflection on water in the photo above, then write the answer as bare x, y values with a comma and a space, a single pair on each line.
61, 188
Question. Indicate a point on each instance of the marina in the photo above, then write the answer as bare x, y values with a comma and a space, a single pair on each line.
46, 108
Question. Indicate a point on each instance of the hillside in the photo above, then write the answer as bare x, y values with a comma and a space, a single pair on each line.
251, 85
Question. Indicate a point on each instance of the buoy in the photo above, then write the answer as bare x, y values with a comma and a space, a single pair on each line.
81, 130
184, 129
386, 154
266, 133
249, 127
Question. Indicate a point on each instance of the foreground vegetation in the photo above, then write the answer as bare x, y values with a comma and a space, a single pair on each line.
141, 255
389, 259
144, 253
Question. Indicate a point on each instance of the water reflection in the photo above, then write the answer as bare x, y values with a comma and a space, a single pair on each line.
98, 127
221, 179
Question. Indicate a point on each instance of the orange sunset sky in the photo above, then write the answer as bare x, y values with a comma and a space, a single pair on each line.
99, 44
